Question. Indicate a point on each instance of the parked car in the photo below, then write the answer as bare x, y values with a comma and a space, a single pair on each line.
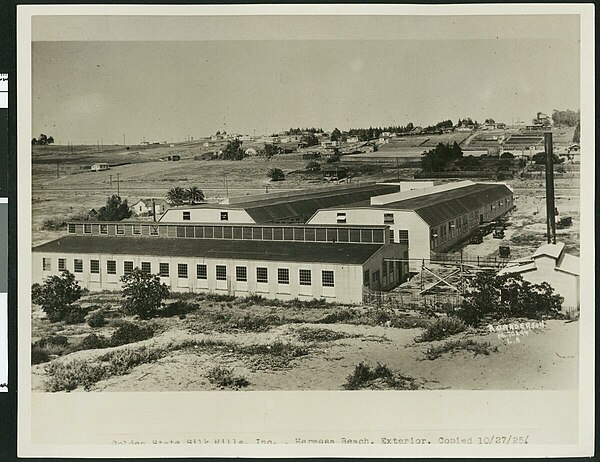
498, 233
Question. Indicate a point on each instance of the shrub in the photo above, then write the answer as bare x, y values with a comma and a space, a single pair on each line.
56, 295
276, 174
379, 377
313, 166
477, 348
441, 328
93, 342
96, 318
277, 348
342, 315
491, 296
177, 308
130, 333
75, 314
307, 334
53, 342
224, 377
54, 224
143, 293
39, 355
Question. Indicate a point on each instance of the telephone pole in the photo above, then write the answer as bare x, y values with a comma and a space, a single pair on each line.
118, 186
550, 206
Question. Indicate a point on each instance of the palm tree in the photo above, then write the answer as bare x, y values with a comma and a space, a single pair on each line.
194, 195
176, 196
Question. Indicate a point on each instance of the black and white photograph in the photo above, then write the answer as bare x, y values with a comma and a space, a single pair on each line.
242, 203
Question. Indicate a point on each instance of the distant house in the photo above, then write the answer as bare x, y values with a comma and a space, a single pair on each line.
334, 173
99, 167
550, 263
352, 139
174, 157
573, 148
251, 152
143, 207
329, 144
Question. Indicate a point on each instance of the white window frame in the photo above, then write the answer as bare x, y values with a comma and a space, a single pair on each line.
221, 272
201, 271
259, 278
325, 283
110, 263
46, 264
182, 268
302, 277
241, 274
280, 273
95, 266
76, 262
161, 269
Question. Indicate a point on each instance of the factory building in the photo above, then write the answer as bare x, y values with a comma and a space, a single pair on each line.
427, 220
275, 261
284, 207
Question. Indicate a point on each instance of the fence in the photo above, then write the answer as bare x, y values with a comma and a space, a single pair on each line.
411, 300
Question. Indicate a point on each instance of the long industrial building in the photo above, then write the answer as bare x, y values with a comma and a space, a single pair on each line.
283, 207
427, 220
275, 261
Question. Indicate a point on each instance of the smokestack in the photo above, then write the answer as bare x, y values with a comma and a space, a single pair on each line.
550, 207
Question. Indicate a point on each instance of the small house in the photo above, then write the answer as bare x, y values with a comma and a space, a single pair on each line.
334, 173
251, 152
550, 263
99, 167
143, 207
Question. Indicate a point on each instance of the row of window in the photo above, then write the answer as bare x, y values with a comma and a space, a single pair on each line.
241, 272
388, 218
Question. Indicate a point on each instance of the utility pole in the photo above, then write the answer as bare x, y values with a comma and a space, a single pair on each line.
98, 146
110, 179
153, 210
118, 186
550, 207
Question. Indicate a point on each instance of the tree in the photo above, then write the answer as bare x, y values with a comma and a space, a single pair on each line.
439, 158
57, 295
568, 117
194, 195
310, 139
176, 196
50, 140
33, 141
492, 296
276, 174
233, 150
490, 121
114, 210
336, 135
271, 150
143, 293
576, 135
313, 166
507, 155
540, 159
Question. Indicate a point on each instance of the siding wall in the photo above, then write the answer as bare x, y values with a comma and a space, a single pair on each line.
206, 215
347, 278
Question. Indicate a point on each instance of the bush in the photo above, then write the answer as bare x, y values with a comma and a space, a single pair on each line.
442, 328
380, 377
39, 355
307, 334
75, 314
491, 297
96, 318
94, 342
130, 333
224, 377
58, 342
54, 224
143, 293
178, 308
276, 174
477, 348
56, 295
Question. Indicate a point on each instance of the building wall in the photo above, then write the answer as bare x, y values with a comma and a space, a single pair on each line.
207, 215
347, 278
418, 230
379, 274
565, 284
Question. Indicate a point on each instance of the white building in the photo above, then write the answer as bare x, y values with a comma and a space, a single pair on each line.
143, 207
551, 264
431, 219
98, 167
281, 262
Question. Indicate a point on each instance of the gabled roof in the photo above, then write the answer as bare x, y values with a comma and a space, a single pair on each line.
443, 206
305, 252
549, 250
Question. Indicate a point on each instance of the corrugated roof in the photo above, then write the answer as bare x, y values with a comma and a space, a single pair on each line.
301, 208
443, 206
306, 252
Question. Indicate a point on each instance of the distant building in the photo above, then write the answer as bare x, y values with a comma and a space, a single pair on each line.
550, 263
174, 157
334, 173
251, 152
352, 139
143, 207
99, 167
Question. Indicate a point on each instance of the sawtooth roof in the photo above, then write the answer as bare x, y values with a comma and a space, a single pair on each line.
305, 252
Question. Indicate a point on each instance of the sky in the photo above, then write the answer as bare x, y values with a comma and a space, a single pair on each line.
87, 91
